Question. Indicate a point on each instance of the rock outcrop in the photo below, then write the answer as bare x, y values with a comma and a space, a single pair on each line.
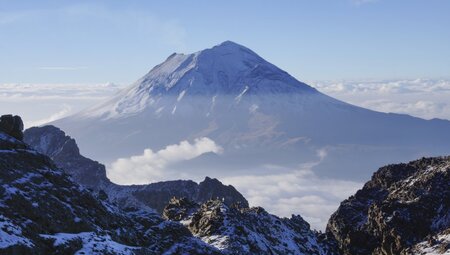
236, 230
436, 244
403, 209
63, 150
401, 206
12, 125
42, 211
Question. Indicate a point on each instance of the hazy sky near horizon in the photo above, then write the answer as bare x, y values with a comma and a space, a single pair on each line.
119, 41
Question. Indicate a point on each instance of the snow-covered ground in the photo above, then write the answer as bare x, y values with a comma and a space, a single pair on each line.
439, 247
11, 234
92, 243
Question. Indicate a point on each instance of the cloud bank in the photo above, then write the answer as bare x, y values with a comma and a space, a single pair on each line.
296, 191
57, 115
424, 98
42, 103
155, 166
62, 68
283, 192
13, 92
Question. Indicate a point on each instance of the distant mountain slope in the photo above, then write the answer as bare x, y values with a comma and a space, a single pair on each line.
404, 209
257, 112
64, 151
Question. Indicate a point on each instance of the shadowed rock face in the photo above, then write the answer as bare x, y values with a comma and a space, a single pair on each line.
12, 125
50, 214
403, 209
157, 195
63, 150
42, 211
401, 206
54, 143
236, 230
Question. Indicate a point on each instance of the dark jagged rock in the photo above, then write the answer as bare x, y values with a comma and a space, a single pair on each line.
179, 209
64, 151
42, 211
436, 244
237, 230
211, 188
157, 195
400, 207
12, 125
69, 218
404, 209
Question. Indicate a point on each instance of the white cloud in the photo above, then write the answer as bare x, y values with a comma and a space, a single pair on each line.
282, 191
36, 103
58, 115
48, 91
425, 98
426, 109
154, 166
62, 68
298, 191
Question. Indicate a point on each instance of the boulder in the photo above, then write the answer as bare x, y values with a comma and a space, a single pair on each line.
12, 126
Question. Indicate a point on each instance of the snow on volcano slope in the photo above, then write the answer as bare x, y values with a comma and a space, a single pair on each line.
257, 112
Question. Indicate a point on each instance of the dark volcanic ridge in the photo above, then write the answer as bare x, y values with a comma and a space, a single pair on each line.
43, 211
403, 209
63, 150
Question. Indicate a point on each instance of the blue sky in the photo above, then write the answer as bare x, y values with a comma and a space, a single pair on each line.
119, 41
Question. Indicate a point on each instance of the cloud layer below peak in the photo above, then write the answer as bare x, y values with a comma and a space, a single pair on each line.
424, 98
153, 166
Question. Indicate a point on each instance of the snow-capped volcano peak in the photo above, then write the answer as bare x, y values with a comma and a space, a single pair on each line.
255, 111
228, 69
225, 68
217, 92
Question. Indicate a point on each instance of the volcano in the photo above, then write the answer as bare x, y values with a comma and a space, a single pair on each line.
258, 113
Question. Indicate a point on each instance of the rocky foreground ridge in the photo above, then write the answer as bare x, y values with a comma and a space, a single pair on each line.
48, 206
42, 211
401, 206
236, 230
63, 150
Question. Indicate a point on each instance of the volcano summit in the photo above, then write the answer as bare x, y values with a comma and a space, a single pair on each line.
259, 114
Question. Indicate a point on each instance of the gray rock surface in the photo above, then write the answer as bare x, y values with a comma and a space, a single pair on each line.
12, 125
403, 205
236, 230
403, 209
64, 151
42, 211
